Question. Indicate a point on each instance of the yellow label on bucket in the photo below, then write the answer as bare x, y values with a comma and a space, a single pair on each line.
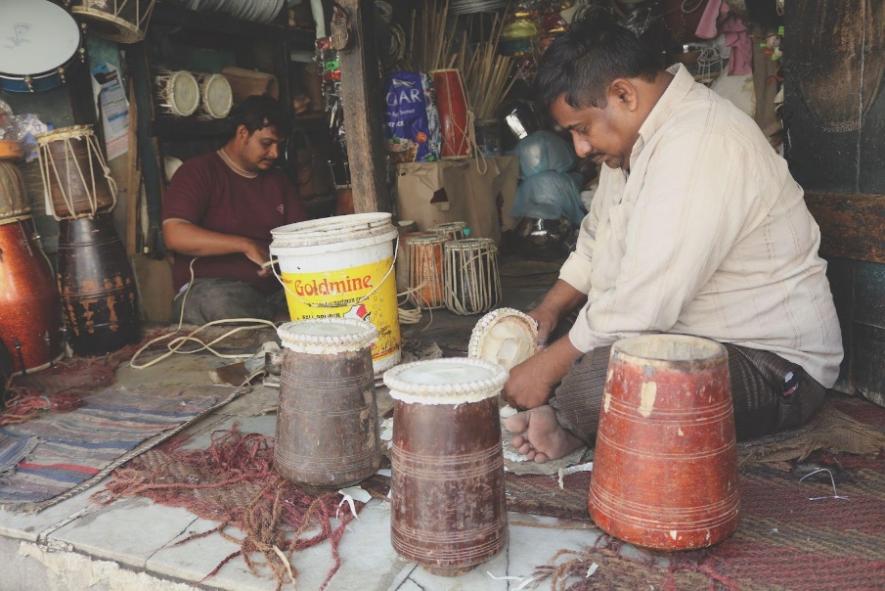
343, 293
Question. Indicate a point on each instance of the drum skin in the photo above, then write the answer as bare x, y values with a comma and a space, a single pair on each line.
29, 308
665, 463
97, 287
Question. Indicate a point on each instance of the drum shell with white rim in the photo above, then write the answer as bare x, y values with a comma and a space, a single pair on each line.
178, 92
42, 45
327, 424
216, 96
76, 179
448, 510
122, 21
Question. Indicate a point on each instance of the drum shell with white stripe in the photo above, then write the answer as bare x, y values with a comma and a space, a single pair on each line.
665, 462
448, 510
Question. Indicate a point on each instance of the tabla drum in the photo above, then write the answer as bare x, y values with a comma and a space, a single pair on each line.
216, 97
327, 425
505, 336
39, 45
425, 254
76, 179
451, 230
454, 121
122, 21
13, 196
30, 320
665, 465
178, 93
473, 281
447, 489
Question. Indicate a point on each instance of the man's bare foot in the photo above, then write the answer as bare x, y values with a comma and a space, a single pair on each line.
538, 436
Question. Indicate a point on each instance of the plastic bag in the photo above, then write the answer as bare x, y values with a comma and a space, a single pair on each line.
549, 195
543, 151
412, 119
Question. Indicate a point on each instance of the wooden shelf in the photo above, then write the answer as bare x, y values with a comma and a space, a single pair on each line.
221, 24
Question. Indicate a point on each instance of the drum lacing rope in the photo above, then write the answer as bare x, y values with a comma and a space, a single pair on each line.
92, 199
482, 294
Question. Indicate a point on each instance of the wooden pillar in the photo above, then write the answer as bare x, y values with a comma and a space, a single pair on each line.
361, 100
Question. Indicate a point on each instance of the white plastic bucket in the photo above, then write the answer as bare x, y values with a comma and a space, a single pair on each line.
343, 266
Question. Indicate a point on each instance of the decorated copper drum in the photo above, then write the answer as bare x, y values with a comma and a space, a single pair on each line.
665, 465
447, 492
327, 425
97, 286
424, 251
30, 320
13, 197
505, 336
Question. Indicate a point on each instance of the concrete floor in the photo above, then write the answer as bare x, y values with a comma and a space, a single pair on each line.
129, 545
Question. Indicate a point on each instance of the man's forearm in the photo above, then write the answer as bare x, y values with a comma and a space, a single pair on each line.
562, 299
190, 239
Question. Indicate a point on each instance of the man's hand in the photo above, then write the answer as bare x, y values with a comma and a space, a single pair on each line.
531, 382
258, 254
547, 320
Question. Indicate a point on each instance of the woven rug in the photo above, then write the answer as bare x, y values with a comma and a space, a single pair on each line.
785, 540
75, 448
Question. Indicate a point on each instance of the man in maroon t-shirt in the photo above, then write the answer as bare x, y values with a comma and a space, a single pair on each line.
220, 209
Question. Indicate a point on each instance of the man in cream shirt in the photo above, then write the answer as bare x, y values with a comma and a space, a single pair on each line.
697, 228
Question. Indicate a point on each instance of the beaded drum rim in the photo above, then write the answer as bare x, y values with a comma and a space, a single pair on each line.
357, 335
425, 238
484, 325
64, 133
449, 393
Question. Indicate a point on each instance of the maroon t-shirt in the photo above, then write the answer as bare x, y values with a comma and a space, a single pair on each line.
207, 192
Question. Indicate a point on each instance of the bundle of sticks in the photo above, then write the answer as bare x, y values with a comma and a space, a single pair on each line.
488, 76
430, 40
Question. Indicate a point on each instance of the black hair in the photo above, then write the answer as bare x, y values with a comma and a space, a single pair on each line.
580, 64
257, 112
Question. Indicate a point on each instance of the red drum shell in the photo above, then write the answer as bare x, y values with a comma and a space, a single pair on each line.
29, 307
451, 102
665, 464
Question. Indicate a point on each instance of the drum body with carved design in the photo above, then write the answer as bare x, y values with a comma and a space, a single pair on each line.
97, 287
29, 309
447, 493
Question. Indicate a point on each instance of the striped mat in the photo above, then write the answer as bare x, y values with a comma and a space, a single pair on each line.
71, 449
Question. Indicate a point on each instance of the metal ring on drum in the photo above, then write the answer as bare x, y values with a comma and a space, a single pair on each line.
72, 167
122, 21
42, 43
178, 92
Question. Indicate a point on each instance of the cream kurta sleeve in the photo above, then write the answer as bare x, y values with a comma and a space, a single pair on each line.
576, 269
688, 212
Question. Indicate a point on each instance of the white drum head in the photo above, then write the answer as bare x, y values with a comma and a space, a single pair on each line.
218, 98
505, 336
184, 93
36, 36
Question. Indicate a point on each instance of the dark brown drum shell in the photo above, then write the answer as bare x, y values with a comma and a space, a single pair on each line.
29, 311
665, 463
97, 287
327, 426
13, 198
448, 506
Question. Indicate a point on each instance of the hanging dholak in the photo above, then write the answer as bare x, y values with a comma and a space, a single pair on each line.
454, 120
76, 180
122, 21
837, 55
665, 464
327, 425
29, 310
97, 286
447, 491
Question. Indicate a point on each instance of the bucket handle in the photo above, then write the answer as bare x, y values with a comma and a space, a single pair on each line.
272, 265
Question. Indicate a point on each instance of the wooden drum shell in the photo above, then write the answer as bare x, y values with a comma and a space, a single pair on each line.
665, 463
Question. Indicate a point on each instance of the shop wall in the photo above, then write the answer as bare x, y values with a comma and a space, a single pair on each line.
835, 118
